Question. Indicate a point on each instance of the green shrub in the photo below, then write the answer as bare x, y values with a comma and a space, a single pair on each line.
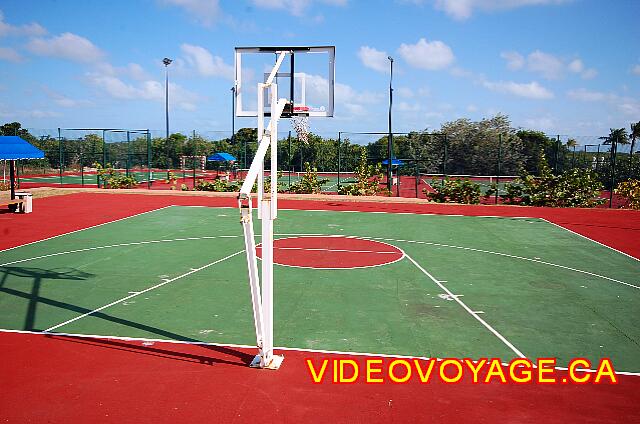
576, 188
172, 180
216, 185
455, 191
112, 179
368, 179
309, 183
631, 190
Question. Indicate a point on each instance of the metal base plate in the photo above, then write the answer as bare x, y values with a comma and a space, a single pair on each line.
276, 361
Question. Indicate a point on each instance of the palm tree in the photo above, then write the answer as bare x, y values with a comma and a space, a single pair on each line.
635, 133
619, 135
571, 143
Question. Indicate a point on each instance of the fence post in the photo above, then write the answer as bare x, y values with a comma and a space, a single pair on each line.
60, 153
614, 152
557, 155
128, 153
444, 162
499, 165
149, 172
417, 172
339, 157
289, 159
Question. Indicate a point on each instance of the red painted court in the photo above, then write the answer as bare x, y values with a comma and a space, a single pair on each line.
57, 378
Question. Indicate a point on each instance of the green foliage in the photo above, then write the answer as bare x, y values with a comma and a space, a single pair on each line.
368, 179
454, 191
474, 147
631, 190
573, 188
618, 135
309, 183
112, 179
216, 185
172, 180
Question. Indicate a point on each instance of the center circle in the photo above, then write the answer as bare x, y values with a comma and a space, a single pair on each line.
332, 252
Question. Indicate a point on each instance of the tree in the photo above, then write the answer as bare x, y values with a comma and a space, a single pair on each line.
635, 133
571, 143
619, 135
474, 147
536, 147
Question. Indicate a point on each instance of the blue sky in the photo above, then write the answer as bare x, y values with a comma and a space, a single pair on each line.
562, 66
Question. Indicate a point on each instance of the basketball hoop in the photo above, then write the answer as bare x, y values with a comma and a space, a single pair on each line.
300, 122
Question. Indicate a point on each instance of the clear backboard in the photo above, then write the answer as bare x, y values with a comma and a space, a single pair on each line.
312, 84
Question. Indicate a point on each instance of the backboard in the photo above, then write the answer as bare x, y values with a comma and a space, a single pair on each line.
312, 85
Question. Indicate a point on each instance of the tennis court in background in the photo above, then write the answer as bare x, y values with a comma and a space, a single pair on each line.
401, 284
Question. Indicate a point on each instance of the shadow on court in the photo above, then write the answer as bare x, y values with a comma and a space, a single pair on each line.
244, 359
37, 275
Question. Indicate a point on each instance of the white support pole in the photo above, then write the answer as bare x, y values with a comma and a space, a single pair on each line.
254, 279
261, 135
273, 129
267, 282
267, 213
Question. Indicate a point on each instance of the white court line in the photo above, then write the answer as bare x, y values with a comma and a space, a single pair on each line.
466, 308
356, 211
334, 250
133, 243
506, 255
285, 348
82, 229
590, 239
194, 270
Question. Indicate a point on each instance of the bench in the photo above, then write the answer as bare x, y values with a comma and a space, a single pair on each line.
12, 204
22, 203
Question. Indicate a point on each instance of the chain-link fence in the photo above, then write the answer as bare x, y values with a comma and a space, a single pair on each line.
489, 158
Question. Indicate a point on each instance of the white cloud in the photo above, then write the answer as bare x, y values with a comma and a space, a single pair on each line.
463, 9
67, 46
589, 73
625, 105
205, 63
28, 30
514, 60
584, 95
132, 70
532, 90
629, 106
636, 70
64, 101
431, 56
544, 123
9, 54
547, 65
206, 12
294, 7
145, 90
374, 59
408, 107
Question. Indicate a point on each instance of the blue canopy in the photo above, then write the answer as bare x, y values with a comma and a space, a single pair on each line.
222, 157
396, 162
13, 148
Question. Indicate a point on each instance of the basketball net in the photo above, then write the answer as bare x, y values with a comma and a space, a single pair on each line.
300, 123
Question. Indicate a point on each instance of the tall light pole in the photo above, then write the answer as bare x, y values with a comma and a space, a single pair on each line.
167, 62
390, 141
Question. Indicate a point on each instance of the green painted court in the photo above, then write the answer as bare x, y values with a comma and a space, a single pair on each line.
463, 286
92, 178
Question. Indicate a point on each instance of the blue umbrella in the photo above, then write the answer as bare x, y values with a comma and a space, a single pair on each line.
394, 162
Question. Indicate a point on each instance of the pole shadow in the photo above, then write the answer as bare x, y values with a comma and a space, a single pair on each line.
34, 298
